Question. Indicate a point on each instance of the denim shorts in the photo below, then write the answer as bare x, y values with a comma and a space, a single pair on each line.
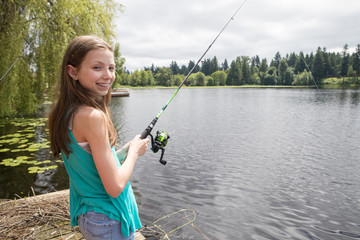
97, 226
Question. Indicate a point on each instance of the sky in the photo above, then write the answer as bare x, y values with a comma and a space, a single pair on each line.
161, 31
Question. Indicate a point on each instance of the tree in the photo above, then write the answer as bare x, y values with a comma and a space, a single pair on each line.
234, 75
277, 60
191, 65
163, 77
245, 70
214, 65
283, 66
356, 62
300, 64
303, 79
177, 79
119, 66
205, 67
345, 61
174, 68
318, 69
135, 79
219, 78
224, 65
39, 32
270, 78
262, 71
292, 60
199, 79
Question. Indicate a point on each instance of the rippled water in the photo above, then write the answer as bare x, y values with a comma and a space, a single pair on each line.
253, 163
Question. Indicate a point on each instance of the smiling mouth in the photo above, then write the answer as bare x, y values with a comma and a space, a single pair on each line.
104, 85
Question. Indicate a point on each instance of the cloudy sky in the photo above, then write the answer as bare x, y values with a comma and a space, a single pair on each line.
160, 31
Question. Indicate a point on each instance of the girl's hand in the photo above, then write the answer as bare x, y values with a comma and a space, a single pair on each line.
138, 146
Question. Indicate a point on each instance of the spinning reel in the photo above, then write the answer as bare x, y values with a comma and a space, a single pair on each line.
159, 143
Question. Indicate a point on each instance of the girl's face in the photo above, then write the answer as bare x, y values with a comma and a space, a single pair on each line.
96, 73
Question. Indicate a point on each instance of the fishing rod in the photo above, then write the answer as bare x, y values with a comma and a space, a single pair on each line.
161, 138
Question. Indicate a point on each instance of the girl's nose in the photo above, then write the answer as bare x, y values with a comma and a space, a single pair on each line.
107, 73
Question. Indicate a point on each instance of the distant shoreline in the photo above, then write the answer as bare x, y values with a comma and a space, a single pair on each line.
324, 86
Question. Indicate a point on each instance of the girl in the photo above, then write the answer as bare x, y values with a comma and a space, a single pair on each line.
102, 202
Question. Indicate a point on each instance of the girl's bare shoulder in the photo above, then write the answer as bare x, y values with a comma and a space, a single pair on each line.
88, 115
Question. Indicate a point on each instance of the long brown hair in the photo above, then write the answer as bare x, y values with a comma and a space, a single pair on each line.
70, 95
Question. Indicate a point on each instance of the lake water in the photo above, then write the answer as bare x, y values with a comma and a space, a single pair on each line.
253, 163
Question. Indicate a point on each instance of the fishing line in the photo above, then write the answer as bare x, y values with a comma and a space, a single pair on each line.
312, 77
160, 140
307, 67
17, 59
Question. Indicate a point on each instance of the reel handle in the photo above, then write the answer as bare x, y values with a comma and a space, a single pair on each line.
163, 162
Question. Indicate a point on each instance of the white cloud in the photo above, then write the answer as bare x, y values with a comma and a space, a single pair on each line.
158, 32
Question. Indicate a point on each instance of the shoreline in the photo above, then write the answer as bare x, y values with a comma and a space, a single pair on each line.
324, 86
45, 216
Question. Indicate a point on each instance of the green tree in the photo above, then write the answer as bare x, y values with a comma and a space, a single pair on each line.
289, 76
210, 81
271, 77
318, 69
300, 64
174, 68
119, 66
199, 79
245, 71
234, 76
206, 66
356, 62
276, 61
219, 78
224, 65
163, 77
292, 60
214, 65
135, 79
262, 71
177, 79
345, 61
303, 79
283, 66
39, 32
191, 65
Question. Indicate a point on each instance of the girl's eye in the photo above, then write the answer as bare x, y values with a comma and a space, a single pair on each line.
111, 68
97, 67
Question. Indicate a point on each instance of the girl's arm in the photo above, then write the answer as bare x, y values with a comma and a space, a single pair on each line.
90, 126
122, 152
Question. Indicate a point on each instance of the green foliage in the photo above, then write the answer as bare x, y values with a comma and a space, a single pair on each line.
163, 77
177, 79
39, 31
199, 79
303, 79
293, 69
245, 71
219, 78
233, 78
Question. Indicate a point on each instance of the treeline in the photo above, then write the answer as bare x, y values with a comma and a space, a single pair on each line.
293, 69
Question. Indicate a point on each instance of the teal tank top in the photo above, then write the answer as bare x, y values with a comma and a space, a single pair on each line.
87, 192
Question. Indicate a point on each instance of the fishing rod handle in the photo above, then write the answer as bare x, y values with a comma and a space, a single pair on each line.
147, 130
145, 133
